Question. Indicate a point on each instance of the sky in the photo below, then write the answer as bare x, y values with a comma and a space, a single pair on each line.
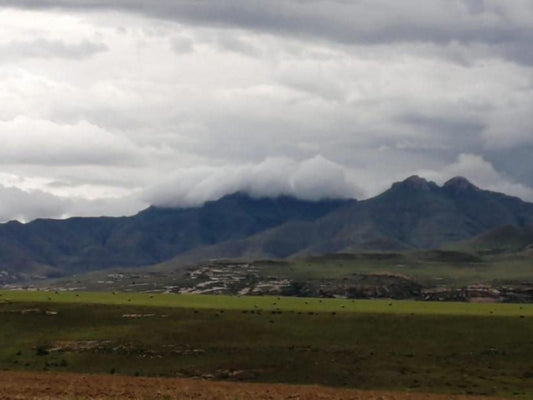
106, 109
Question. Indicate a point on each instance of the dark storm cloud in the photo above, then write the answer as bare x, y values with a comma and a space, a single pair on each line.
506, 27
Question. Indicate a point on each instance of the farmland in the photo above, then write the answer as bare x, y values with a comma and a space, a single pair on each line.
458, 348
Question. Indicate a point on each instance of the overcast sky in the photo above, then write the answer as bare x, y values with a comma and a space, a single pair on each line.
105, 110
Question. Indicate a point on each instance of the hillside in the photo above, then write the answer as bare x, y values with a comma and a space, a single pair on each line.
58, 247
504, 239
413, 214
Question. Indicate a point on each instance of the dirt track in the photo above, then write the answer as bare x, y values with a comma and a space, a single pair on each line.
48, 386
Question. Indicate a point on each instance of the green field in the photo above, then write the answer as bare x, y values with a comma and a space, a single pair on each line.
269, 303
398, 345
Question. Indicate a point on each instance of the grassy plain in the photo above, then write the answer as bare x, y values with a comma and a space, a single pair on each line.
269, 303
399, 345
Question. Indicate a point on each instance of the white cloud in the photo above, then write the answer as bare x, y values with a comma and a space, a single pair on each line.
311, 179
44, 142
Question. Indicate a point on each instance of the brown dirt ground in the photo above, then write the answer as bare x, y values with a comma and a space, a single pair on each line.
54, 386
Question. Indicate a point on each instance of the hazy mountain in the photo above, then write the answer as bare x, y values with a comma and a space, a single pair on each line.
154, 235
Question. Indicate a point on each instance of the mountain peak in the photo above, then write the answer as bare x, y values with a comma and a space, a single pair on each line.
459, 183
415, 182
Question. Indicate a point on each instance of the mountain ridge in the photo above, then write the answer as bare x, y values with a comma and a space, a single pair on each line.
151, 236
412, 214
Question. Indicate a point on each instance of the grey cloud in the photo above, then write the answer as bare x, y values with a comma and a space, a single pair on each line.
503, 25
224, 40
315, 84
182, 45
446, 131
115, 207
25, 206
475, 6
511, 126
515, 161
233, 43
44, 48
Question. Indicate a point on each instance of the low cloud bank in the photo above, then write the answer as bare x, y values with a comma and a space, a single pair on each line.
312, 179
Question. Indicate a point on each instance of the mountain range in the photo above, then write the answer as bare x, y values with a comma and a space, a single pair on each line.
412, 214
50, 247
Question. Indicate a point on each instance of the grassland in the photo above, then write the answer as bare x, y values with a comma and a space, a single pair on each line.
270, 303
400, 345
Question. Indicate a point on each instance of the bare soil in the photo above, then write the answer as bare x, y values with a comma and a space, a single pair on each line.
58, 386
